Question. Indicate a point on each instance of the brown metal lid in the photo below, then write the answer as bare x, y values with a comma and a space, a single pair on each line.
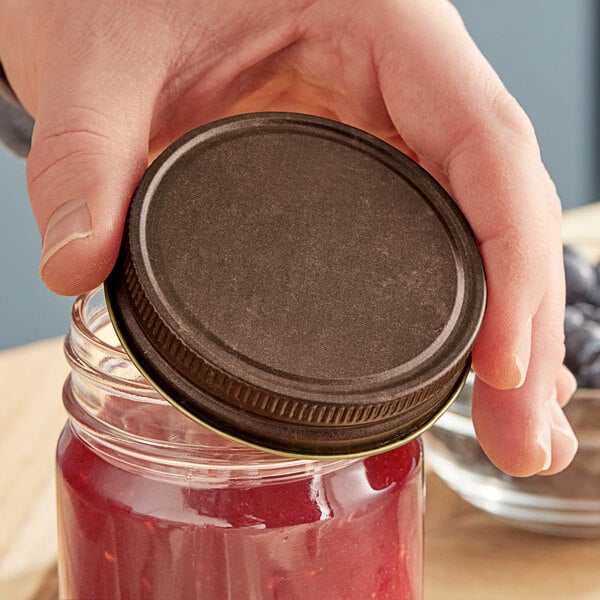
298, 285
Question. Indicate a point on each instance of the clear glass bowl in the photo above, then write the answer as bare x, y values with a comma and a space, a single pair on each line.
566, 504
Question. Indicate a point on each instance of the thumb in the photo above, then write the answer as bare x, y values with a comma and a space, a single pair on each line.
87, 156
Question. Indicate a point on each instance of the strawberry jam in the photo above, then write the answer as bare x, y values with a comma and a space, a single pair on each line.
350, 534
154, 506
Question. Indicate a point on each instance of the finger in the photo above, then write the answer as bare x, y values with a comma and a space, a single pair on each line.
519, 249
523, 430
566, 385
453, 111
563, 441
89, 150
508, 444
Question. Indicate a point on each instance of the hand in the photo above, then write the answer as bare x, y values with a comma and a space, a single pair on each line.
112, 83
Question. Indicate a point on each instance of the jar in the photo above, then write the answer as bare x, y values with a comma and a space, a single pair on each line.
153, 505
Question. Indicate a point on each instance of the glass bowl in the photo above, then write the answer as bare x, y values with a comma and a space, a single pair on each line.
566, 504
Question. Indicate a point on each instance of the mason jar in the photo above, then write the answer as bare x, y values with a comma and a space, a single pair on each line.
153, 505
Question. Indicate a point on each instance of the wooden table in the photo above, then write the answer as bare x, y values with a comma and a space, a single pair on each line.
469, 555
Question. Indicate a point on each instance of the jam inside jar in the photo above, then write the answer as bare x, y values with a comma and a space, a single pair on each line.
152, 505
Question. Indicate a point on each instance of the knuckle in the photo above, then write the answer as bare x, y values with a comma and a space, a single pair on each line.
509, 114
61, 153
554, 345
553, 204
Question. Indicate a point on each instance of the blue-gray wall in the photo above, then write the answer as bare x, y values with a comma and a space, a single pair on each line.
28, 311
543, 49
546, 53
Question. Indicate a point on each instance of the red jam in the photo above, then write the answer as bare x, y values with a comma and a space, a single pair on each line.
350, 533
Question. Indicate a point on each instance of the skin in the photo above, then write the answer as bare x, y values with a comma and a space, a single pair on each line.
111, 83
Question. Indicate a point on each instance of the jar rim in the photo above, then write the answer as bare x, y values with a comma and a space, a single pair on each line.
91, 352
80, 322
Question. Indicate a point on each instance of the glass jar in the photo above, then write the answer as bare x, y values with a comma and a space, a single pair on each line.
152, 505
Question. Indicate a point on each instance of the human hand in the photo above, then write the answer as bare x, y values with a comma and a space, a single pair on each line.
110, 84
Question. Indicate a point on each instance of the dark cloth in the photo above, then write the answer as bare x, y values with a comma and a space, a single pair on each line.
16, 124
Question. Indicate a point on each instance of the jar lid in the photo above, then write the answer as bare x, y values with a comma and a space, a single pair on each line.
299, 285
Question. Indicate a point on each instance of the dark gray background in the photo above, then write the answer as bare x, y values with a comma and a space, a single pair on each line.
543, 49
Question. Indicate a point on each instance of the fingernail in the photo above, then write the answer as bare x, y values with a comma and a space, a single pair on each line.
545, 436
521, 371
521, 356
561, 426
544, 441
70, 221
